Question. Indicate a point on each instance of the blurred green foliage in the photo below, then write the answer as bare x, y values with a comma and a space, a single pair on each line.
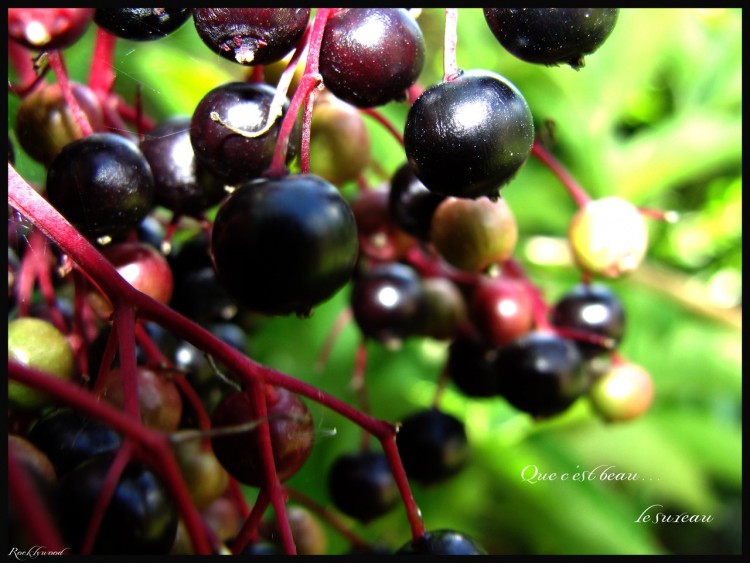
654, 117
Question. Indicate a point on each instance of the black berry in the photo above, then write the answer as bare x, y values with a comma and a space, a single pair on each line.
141, 24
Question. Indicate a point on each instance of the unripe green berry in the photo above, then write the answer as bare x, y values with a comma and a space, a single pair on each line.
608, 237
37, 344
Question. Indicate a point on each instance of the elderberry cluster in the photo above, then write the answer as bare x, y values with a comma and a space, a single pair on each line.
240, 211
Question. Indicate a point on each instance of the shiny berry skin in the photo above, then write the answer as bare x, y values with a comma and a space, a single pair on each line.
45, 124
541, 373
102, 184
361, 485
433, 446
388, 302
468, 137
68, 438
473, 234
284, 245
370, 56
141, 24
143, 267
251, 36
37, 344
502, 310
411, 204
292, 432
48, 28
442, 542
140, 519
608, 237
243, 106
551, 36
591, 308
181, 184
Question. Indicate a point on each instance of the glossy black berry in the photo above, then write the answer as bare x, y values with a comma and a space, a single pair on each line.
284, 245
141, 518
69, 438
181, 184
251, 36
433, 446
223, 126
551, 36
471, 365
141, 24
388, 302
370, 56
102, 184
361, 485
411, 204
541, 373
442, 542
469, 136
592, 309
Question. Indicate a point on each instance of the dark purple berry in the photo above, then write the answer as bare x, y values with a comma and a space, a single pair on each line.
181, 184
69, 438
551, 36
251, 36
141, 518
102, 184
141, 24
442, 542
362, 486
411, 204
224, 126
591, 309
433, 446
471, 365
541, 373
284, 245
371, 56
469, 136
388, 302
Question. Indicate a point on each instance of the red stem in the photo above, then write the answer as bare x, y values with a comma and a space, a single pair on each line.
235, 492
310, 79
380, 118
578, 194
122, 457
399, 475
249, 531
58, 67
513, 269
102, 74
272, 483
125, 323
306, 130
